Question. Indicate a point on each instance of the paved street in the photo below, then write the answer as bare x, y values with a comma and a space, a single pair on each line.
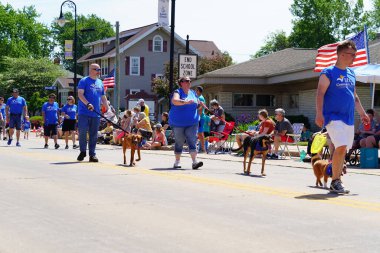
51, 203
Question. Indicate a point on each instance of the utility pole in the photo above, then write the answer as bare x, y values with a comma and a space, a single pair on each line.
117, 71
171, 71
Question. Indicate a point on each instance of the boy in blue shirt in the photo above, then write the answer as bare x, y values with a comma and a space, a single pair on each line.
50, 115
26, 127
336, 102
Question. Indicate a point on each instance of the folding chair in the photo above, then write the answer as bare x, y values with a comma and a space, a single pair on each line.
218, 140
296, 136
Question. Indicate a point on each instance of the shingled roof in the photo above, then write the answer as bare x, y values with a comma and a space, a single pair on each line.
286, 61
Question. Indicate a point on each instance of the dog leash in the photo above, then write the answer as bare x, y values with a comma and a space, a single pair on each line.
109, 121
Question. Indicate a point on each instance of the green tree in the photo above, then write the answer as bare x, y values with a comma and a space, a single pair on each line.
375, 16
28, 75
102, 29
275, 41
205, 65
21, 35
35, 102
320, 22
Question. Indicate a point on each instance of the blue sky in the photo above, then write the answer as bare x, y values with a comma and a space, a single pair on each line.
237, 26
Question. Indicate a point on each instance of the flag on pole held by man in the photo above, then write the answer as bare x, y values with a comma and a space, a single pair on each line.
327, 54
109, 81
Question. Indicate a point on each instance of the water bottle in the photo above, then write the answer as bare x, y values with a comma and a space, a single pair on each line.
302, 155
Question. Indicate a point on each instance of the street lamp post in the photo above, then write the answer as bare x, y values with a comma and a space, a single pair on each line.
61, 22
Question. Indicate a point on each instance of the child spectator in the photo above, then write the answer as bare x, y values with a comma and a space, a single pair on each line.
159, 138
306, 134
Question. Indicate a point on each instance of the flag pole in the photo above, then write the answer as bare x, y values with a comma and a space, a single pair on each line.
371, 85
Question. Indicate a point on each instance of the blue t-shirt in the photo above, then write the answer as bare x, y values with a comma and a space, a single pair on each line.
339, 100
184, 115
203, 100
26, 125
16, 105
70, 110
51, 113
93, 91
2, 111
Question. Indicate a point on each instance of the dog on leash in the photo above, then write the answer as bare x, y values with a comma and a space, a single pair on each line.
320, 170
132, 141
323, 169
252, 146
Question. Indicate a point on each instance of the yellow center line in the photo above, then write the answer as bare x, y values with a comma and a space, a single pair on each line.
285, 193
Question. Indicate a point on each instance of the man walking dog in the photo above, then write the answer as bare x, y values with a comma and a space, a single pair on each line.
90, 94
336, 102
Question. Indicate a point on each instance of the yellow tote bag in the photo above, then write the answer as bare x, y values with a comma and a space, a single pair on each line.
318, 143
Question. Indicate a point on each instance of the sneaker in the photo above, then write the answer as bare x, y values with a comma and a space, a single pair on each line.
67, 147
9, 142
337, 187
93, 159
4, 138
269, 156
56, 146
75, 146
196, 165
81, 156
46, 146
274, 156
176, 165
18, 144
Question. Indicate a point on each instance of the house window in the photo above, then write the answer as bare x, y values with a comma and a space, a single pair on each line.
104, 66
135, 66
265, 100
98, 48
157, 43
243, 100
293, 101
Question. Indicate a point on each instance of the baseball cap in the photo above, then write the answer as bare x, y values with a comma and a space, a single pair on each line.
141, 100
158, 125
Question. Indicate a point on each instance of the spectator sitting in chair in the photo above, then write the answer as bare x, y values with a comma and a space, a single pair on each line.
217, 117
266, 127
165, 121
306, 134
282, 128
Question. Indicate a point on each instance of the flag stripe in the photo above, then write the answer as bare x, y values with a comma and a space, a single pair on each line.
327, 54
109, 81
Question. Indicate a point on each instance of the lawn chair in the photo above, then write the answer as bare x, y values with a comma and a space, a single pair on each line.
219, 140
296, 135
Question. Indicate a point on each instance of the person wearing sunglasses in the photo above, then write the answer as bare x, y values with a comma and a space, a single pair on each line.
336, 102
50, 115
184, 120
91, 95
69, 113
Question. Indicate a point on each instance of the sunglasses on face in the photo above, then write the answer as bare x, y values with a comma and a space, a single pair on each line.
185, 81
69, 99
97, 70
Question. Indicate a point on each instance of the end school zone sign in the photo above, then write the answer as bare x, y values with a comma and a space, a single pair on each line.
187, 65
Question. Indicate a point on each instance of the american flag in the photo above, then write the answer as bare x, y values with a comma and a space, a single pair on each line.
109, 81
327, 54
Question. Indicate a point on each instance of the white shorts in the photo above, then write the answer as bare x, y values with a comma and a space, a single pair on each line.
340, 133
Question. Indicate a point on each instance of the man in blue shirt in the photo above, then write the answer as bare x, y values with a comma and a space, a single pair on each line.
50, 115
16, 106
91, 95
336, 102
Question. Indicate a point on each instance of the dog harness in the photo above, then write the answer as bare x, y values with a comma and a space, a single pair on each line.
329, 170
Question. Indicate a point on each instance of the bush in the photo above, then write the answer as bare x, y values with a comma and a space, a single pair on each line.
229, 117
36, 121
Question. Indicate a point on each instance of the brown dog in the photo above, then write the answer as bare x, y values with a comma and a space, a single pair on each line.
320, 170
255, 145
132, 141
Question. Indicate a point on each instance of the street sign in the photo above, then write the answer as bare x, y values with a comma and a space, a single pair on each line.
50, 87
187, 65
